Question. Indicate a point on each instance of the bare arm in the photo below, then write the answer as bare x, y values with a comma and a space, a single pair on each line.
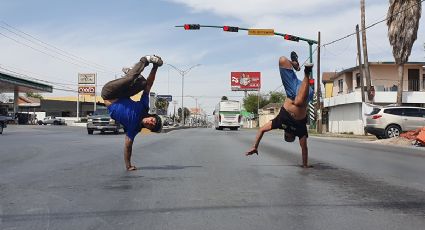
151, 79
128, 148
304, 151
267, 127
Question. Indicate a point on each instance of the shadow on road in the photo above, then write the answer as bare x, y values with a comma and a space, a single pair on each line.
168, 167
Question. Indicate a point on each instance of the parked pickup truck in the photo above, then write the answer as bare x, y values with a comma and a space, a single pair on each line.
101, 121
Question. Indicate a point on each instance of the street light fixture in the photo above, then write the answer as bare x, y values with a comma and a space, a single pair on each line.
182, 74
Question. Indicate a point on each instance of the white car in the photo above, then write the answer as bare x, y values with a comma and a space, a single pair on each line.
52, 121
388, 122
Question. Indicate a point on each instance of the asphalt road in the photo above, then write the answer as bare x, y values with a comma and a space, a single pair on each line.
62, 178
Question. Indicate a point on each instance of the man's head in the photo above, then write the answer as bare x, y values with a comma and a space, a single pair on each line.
289, 137
152, 122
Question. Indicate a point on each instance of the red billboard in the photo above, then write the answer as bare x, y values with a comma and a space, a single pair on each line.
245, 81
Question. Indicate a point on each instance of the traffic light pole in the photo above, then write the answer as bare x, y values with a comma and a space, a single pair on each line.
266, 32
309, 41
271, 32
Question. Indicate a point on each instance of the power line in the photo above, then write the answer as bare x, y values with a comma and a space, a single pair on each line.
73, 61
54, 47
39, 80
372, 25
19, 42
7, 67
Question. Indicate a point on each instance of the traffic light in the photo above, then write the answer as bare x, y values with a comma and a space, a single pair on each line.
291, 38
192, 26
311, 82
230, 28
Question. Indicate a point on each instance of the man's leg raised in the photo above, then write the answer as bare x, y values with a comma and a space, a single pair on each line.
304, 90
127, 86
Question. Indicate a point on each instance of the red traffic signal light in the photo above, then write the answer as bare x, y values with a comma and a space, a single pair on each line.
311, 81
230, 28
192, 26
291, 38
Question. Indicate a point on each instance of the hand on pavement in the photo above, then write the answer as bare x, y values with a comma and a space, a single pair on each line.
252, 151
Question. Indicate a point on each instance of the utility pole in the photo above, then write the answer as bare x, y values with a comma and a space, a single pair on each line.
366, 59
359, 56
319, 89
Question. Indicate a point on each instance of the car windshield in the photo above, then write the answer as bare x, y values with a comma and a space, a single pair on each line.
101, 112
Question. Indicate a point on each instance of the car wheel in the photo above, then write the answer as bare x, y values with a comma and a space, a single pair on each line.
90, 131
1, 128
392, 131
40, 122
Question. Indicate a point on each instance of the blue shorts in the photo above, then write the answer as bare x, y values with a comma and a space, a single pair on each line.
292, 84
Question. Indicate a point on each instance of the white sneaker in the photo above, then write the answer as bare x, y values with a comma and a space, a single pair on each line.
154, 59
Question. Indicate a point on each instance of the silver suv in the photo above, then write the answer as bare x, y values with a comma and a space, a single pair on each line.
389, 122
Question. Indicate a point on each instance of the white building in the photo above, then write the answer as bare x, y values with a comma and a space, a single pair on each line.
344, 110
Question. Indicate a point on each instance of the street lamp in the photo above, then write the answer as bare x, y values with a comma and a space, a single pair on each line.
182, 73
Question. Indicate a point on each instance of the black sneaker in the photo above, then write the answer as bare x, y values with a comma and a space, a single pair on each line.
308, 69
294, 61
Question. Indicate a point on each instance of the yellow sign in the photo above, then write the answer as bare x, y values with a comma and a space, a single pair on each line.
261, 32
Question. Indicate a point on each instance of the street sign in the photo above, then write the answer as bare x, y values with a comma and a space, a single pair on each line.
261, 32
245, 81
168, 98
86, 78
89, 90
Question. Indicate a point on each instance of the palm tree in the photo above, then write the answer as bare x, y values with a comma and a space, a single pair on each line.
403, 23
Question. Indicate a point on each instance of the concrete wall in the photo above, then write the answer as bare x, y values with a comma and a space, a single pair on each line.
346, 119
382, 76
266, 118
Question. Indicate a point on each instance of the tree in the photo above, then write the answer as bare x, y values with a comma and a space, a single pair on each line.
34, 95
162, 106
186, 112
224, 98
276, 97
403, 23
251, 103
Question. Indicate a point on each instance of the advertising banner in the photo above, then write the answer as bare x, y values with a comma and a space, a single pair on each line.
245, 81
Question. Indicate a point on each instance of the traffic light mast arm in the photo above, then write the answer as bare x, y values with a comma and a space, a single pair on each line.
309, 41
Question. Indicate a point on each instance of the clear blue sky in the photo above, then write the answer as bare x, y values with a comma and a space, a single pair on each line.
113, 34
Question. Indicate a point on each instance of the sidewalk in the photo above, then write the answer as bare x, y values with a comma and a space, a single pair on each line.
345, 135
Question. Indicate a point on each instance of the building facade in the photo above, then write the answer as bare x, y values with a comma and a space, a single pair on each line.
343, 98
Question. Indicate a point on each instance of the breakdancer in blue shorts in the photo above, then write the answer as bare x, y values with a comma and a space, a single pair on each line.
292, 117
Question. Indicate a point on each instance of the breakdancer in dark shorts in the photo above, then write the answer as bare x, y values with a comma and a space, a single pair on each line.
133, 115
292, 117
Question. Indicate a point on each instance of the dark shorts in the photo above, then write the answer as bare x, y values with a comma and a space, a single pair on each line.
285, 121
